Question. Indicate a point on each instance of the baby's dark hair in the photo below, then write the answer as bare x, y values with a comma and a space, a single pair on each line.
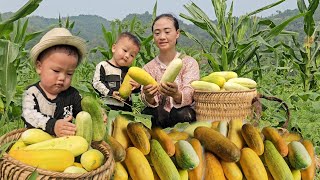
132, 37
170, 16
70, 50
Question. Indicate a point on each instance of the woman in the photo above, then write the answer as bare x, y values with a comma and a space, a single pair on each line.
169, 103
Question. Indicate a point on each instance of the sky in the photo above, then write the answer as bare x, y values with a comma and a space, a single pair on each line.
118, 9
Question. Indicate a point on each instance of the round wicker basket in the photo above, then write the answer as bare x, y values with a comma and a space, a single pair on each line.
224, 105
12, 169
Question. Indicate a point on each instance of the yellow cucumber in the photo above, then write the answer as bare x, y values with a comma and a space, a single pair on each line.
252, 165
231, 170
31, 136
75, 169
246, 82
190, 129
49, 159
234, 132
125, 88
231, 86
120, 173
252, 138
205, 86
120, 131
162, 163
277, 166
18, 145
226, 74
92, 159
76, 144
183, 174
141, 76
219, 80
119, 153
138, 136
137, 165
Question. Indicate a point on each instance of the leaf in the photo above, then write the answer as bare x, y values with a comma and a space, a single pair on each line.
8, 74
308, 19
265, 8
277, 30
112, 114
34, 175
5, 147
27, 9
132, 23
143, 118
212, 62
154, 12
302, 6
190, 36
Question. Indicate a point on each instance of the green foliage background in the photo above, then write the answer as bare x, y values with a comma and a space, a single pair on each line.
274, 69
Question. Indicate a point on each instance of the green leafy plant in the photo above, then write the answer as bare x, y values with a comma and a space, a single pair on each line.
237, 42
305, 56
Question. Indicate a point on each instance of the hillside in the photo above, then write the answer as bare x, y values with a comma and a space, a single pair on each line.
89, 27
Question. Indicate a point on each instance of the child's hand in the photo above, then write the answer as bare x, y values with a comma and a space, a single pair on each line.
64, 127
134, 84
117, 96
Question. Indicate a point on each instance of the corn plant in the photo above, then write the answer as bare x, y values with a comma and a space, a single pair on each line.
305, 56
13, 38
237, 42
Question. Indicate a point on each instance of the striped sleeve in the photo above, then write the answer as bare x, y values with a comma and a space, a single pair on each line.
31, 110
97, 82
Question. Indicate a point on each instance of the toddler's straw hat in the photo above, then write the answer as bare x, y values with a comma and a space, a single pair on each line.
58, 36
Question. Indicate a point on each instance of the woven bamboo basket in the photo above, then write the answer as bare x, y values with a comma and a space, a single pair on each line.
219, 106
12, 169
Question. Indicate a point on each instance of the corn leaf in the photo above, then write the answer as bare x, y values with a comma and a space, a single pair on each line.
4, 147
309, 24
265, 8
8, 75
190, 36
27, 9
278, 29
212, 61
302, 6
132, 23
154, 12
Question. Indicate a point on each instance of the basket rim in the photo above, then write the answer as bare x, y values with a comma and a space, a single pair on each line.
109, 160
221, 92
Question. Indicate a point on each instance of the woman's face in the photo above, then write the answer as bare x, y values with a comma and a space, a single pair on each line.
165, 35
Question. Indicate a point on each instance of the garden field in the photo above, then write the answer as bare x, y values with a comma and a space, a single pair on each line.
255, 48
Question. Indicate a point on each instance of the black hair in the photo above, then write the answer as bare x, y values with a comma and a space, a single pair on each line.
71, 50
170, 16
132, 37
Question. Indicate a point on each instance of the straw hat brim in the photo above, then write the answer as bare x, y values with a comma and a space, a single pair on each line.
75, 41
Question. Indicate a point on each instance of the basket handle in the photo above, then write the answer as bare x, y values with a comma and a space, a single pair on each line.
256, 103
